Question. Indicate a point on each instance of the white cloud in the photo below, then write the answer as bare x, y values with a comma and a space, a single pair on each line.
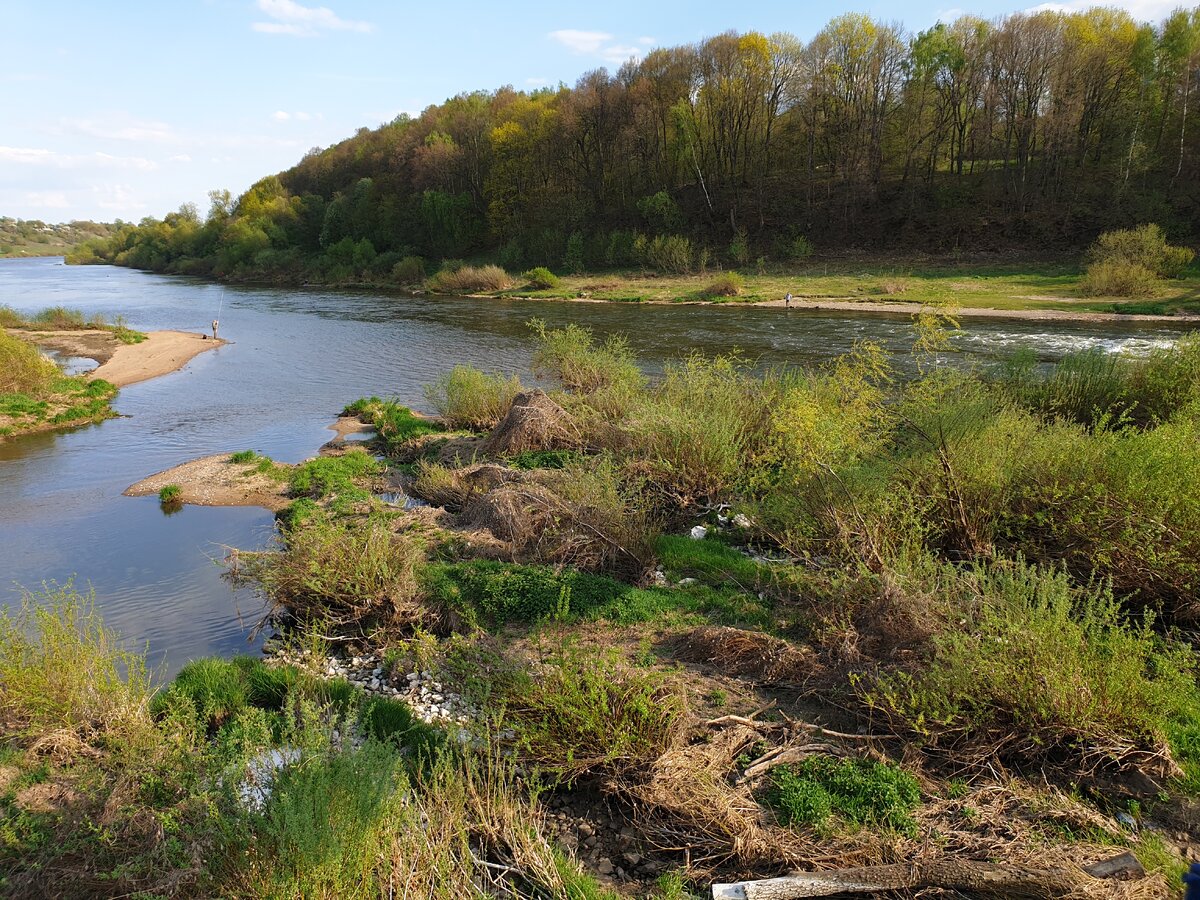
280, 116
1142, 10
36, 156
537, 82
581, 41
291, 18
119, 197
618, 54
120, 127
180, 158
599, 43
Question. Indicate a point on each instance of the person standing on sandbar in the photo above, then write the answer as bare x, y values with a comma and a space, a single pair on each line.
215, 323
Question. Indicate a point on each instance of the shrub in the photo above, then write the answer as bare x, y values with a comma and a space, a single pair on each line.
1043, 671
23, 368
468, 398
582, 713
346, 574
621, 249
793, 246
243, 456
671, 253
860, 791
410, 270
64, 675
1127, 263
471, 279
573, 260
729, 284
1118, 278
739, 247
63, 319
540, 278
661, 212
573, 356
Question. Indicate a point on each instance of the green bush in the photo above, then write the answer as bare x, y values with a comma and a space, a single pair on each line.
573, 258
351, 574
739, 247
410, 270
583, 713
540, 278
859, 791
1043, 670
23, 369
671, 253
171, 493
468, 398
1129, 262
579, 363
243, 456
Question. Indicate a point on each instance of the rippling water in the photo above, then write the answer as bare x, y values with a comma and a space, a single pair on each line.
295, 358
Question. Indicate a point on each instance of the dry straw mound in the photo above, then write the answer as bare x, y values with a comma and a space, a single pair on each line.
533, 422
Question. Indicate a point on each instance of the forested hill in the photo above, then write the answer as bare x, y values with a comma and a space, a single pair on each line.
33, 237
1033, 131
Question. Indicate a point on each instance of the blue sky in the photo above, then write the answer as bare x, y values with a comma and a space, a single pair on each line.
127, 109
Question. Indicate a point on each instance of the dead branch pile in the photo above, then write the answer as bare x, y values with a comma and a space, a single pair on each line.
533, 422
741, 653
686, 804
564, 518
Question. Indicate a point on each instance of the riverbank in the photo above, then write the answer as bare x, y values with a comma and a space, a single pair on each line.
218, 481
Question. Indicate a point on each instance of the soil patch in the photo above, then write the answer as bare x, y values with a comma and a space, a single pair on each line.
215, 481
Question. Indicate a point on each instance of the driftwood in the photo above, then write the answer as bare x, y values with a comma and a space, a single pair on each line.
977, 878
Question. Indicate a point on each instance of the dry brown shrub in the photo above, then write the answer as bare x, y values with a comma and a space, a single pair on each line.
454, 489
738, 652
686, 800
533, 422
893, 286
471, 279
575, 516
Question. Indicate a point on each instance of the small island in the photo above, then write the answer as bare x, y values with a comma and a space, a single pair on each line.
36, 394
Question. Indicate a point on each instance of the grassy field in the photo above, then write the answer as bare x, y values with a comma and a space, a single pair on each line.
1015, 286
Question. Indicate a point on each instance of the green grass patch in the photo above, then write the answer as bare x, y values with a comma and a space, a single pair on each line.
857, 791
327, 475
243, 456
170, 493
395, 424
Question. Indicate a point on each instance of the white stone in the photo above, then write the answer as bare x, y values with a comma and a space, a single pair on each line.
698, 532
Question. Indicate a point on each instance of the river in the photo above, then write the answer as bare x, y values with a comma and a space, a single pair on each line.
296, 357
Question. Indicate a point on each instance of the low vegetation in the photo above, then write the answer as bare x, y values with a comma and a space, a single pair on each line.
470, 280
1131, 263
776, 618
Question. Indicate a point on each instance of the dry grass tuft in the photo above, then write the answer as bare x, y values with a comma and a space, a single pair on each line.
470, 280
737, 652
533, 422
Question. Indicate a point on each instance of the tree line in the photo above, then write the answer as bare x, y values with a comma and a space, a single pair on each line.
1035, 130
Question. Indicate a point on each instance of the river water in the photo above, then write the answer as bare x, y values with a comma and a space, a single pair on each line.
296, 357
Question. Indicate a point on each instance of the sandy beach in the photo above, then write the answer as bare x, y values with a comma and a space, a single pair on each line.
121, 364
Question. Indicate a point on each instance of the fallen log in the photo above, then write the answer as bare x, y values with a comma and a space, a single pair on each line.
976, 878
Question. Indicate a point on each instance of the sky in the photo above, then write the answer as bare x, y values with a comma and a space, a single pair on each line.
129, 108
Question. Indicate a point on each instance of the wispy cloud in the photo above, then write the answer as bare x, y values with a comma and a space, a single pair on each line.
537, 82
1142, 10
37, 156
47, 199
121, 127
281, 115
290, 18
601, 44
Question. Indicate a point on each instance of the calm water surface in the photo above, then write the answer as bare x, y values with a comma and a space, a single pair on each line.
295, 358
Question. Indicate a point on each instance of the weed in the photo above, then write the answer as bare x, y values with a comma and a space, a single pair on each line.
327, 475
728, 284
470, 280
243, 456
170, 494
468, 398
